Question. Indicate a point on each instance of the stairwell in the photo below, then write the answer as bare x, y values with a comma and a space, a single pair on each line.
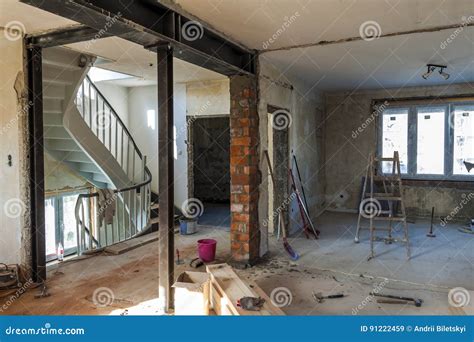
83, 131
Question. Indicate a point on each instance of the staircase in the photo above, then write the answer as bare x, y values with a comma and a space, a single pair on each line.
83, 131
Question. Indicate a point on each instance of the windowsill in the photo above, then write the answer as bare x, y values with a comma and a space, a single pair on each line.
446, 183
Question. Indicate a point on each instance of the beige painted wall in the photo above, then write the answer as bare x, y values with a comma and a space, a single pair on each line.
14, 210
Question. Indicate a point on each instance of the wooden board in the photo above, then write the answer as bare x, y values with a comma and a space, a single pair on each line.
128, 245
227, 288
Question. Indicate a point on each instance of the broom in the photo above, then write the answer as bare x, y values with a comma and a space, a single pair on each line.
281, 220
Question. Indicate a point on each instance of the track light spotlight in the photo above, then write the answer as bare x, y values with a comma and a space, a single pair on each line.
432, 68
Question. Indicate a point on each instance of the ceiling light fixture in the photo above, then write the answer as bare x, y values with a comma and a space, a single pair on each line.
432, 68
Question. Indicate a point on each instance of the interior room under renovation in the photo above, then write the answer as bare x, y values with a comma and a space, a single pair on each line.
237, 157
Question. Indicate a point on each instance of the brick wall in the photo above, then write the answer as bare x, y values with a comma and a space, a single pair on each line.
244, 140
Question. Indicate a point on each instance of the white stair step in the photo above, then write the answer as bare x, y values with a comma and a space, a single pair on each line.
77, 157
57, 74
100, 178
56, 133
54, 92
56, 81
52, 106
53, 120
88, 167
62, 65
62, 145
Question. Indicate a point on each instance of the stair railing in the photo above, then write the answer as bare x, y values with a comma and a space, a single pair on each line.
123, 213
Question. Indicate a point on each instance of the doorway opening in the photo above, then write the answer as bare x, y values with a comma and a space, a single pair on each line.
210, 176
278, 150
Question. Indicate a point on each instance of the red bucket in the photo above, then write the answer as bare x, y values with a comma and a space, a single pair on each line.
207, 249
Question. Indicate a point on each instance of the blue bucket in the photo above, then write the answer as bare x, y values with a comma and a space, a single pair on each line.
187, 226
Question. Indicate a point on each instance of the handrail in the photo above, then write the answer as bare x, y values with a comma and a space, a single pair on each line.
135, 199
115, 115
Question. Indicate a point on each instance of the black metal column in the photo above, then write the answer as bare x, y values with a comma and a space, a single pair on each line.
165, 175
36, 150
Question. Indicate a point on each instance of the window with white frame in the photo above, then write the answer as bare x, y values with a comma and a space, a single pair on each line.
433, 139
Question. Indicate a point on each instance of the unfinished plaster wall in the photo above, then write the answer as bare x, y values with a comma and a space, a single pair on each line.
14, 192
305, 141
58, 177
346, 157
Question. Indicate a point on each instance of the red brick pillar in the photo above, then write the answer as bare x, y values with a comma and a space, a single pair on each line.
244, 179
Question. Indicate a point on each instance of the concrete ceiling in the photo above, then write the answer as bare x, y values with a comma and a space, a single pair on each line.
126, 57
384, 62
117, 54
390, 62
253, 22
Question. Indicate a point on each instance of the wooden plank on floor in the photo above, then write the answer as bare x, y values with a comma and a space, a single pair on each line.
128, 245
229, 288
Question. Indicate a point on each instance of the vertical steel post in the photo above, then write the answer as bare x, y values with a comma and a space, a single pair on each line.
35, 93
165, 175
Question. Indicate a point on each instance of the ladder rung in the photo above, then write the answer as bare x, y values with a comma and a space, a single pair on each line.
385, 159
375, 229
388, 218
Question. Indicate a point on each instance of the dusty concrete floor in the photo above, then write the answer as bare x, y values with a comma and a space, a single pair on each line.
330, 265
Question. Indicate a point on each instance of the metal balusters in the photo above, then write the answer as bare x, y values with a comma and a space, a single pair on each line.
90, 105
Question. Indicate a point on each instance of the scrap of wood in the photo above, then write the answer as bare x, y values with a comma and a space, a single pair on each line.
227, 288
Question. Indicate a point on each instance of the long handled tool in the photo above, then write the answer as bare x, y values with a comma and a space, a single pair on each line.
301, 182
281, 219
416, 301
431, 234
305, 219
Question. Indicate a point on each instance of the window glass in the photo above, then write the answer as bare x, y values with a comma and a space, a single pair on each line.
50, 226
463, 121
395, 138
430, 138
69, 222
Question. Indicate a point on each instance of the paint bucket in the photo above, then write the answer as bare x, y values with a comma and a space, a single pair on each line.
187, 226
207, 249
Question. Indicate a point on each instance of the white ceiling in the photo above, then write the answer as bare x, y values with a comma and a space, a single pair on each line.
390, 62
384, 62
253, 22
117, 54
126, 57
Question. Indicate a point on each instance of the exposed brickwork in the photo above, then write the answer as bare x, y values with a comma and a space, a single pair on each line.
244, 140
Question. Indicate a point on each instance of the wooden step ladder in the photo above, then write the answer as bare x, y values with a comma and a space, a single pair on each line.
389, 190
